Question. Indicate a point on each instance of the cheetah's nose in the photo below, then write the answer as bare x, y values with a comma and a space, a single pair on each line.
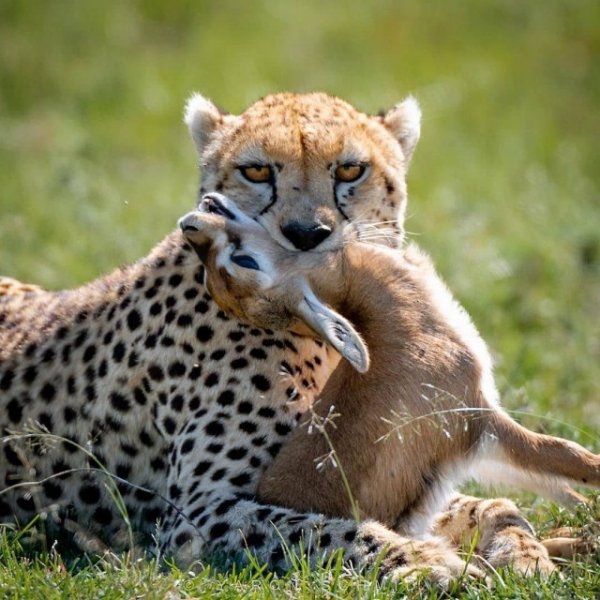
305, 236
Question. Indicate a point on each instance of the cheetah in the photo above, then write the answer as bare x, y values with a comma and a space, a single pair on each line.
10, 286
423, 374
139, 385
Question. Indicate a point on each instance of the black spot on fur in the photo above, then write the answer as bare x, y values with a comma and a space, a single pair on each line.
123, 471
258, 353
226, 398
241, 479
30, 374
248, 427
150, 341
169, 425
245, 407
48, 392
201, 307
204, 333
218, 530
69, 414
52, 490
175, 280
218, 475
266, 411
282, 428
26, 503
187, 446
202, 467
89, 353
184, 320
146, 439
12, 457
350, 535
236, 336
89, 494
218, 355
102, 515
239, 363
156, 373
48, 355
255, 540
295, 536
214, 428
119, 402
129, 450
261, 383
237, 453
15, 411
134, 319
211, 380
177, 369
175, 492
118, 352
183, 538
274, 449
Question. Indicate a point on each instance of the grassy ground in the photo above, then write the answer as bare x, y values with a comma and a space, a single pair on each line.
95, 167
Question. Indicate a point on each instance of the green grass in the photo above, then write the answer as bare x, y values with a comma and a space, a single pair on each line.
96, 166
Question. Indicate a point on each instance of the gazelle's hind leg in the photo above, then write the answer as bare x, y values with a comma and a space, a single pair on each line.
568, 542
503, 535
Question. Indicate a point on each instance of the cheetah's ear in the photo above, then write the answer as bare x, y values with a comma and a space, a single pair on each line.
334, 329
202, 117
404, 122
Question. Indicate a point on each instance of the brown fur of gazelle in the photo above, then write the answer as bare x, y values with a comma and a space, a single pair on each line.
421, 418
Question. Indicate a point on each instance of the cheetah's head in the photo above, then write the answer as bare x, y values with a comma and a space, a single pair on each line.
309, 167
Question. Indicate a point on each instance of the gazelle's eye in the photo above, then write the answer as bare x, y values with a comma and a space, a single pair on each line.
257, 173
245, 261
349, 172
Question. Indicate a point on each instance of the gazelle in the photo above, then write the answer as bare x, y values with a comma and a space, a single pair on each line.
419, 411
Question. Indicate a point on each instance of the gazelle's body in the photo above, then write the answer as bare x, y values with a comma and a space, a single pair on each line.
422, 418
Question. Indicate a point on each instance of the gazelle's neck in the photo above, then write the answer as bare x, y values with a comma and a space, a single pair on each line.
374, 290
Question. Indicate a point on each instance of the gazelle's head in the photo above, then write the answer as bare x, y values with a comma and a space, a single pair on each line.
252, 277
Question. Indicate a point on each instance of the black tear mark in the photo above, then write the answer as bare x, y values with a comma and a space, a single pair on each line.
273, 196
338, 203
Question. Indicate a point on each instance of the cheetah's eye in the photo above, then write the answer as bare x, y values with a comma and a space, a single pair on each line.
257, 173
245, 261
349, 172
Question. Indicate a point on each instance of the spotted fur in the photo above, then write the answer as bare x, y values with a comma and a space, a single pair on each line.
10, 286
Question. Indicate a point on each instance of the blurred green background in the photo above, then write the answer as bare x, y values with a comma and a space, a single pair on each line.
96, 165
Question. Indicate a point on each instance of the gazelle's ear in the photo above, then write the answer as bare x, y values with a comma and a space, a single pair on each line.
202, 118
404, 123
334, 329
